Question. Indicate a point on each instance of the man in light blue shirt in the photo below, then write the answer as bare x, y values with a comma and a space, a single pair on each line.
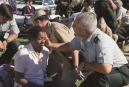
102, 55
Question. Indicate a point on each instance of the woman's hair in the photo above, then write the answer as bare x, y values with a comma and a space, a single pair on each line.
6, 11
33, 32
28, 1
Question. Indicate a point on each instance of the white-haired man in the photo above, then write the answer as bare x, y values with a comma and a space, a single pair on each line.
102, 55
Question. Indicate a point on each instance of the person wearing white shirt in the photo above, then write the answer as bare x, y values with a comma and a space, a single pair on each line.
31, 61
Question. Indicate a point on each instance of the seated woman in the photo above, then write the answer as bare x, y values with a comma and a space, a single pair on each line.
28, 10
31, 61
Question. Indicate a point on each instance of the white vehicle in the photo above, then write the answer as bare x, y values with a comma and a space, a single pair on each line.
38, 4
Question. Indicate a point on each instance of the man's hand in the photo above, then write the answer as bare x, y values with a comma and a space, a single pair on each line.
47, 42
78, 70
81, 67
30, 84
4, 45
1, 45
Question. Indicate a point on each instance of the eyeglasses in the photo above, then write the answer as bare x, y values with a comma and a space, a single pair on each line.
43, 17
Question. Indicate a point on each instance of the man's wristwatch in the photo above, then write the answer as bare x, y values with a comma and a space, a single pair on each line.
75, 67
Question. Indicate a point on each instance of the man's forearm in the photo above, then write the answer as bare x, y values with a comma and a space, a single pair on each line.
101, 68
60, 46
12, 37
26, 83
75, 58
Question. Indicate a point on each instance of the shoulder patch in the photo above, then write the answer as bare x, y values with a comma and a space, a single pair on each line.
96, 39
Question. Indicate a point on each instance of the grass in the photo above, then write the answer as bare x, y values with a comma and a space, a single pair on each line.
78, 82
23, 41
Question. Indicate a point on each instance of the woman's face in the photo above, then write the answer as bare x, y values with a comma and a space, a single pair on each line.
39, 41
30, 3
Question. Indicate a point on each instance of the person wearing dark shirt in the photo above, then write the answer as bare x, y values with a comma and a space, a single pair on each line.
28, 10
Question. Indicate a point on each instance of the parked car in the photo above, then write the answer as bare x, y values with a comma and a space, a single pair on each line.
38, 4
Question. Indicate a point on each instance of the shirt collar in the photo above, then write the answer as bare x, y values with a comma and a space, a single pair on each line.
92, 36
31, 49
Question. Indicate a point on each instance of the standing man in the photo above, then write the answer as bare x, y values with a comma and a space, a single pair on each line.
8, 34
102, 55
60, 66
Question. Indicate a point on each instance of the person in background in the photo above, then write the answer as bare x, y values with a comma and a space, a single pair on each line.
125, 19
103, 9
102, 55
31, 60
8, 34
28, 10
125, 25
13, 4
4, 1
61, 65
120, 11
105, 28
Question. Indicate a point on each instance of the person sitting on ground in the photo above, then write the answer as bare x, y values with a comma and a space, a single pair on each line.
102, 55
8, 34
31, 60
120, 11
61, 64
28, 10
124, 32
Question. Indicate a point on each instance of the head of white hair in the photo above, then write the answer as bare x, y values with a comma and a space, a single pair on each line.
87, 21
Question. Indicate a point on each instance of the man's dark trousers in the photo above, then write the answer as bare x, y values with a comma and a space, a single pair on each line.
103, 9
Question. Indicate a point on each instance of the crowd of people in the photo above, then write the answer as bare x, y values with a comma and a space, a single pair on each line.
57, 55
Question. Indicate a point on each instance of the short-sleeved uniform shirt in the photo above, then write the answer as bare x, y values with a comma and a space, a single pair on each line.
27, 63
59, 32
99, 48
10, 27
58, 63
